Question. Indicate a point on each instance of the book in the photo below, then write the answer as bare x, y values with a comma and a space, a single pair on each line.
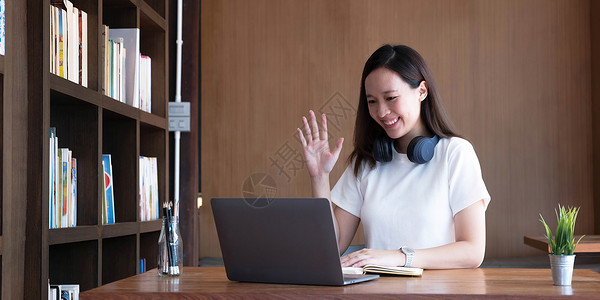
108, 189
83, 49
148, 187
103, 57
130, 38
62, 42
2, 27
73, 208
51, 190
145, 83
65, 171
378, 269
64, 291
104, 212
73, 43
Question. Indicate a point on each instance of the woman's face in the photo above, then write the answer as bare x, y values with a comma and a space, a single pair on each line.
394, 105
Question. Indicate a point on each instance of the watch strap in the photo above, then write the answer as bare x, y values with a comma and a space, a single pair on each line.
409, 253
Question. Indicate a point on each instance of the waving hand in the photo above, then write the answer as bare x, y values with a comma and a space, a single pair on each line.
319, 158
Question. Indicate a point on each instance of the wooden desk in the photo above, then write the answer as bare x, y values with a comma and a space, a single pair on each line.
211, 282
589, 243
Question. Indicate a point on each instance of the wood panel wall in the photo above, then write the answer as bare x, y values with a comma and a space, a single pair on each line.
595, 41
515, 77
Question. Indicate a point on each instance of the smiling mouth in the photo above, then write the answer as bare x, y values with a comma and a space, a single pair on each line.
389, 123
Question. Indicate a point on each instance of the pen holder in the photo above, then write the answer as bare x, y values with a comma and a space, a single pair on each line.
170, 248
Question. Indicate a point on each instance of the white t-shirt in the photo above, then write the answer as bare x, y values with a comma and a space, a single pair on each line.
401, 203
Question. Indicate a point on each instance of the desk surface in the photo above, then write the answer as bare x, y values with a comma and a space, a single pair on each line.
589, 243
500, 283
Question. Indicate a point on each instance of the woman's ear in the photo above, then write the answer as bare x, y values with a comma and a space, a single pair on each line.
422, 90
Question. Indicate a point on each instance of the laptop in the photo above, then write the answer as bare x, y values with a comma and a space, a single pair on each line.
280, 240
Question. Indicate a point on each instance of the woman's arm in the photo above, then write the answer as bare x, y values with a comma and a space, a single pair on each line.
320, 160
467, 252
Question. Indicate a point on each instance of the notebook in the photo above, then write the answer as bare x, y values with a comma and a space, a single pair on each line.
280, 240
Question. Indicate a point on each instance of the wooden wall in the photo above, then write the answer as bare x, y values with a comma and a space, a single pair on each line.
515, 77
595, 40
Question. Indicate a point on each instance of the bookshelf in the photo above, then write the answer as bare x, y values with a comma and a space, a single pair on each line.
92, 124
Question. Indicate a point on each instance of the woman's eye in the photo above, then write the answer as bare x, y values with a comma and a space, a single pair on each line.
391, 98
370, 101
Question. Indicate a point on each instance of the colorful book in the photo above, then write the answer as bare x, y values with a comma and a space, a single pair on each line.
51, 179
64, 186
148, 186
104, 211
61, 43
73, 216
108, 189
2, 27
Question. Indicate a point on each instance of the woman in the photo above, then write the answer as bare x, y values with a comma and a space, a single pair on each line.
418, 209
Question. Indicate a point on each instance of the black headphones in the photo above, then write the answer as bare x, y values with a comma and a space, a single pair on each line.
420, 149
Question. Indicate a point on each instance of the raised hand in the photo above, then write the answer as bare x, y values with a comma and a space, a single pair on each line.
319, 158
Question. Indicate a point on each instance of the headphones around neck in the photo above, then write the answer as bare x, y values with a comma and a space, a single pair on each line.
420, 149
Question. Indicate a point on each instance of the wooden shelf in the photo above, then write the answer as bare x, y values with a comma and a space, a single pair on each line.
92, 124
119, 229
153, 120
67, 91
72, 234
150, 226
151, 18
118, 107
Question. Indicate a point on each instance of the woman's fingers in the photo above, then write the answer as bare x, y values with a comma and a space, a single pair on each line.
312, 131
307, 129
356, 259
301, 136
314, 126
324, 134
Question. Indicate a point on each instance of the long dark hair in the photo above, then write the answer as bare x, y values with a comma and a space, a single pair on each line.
411, 67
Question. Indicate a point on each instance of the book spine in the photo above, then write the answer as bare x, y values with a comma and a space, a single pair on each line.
61, 43
64, 187
108, 177
51, 180
155, 199
2, 27
69, 188
51, 39
57, 194
80, 46
104, 34
73, 222
74, 46
104, 211
84, 49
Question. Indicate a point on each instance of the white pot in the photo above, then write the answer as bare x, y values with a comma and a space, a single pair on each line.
562, 268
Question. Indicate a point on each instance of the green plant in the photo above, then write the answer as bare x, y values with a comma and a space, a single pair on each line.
563, 243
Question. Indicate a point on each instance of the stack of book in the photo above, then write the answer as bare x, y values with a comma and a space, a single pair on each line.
127, 76
108, 197
68, 42
63, 291
2, 27
63, 185
148, 189
146, 83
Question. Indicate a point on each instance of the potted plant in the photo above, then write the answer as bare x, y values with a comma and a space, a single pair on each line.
562, 245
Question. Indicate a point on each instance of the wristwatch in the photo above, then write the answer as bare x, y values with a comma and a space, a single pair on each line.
410, 254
